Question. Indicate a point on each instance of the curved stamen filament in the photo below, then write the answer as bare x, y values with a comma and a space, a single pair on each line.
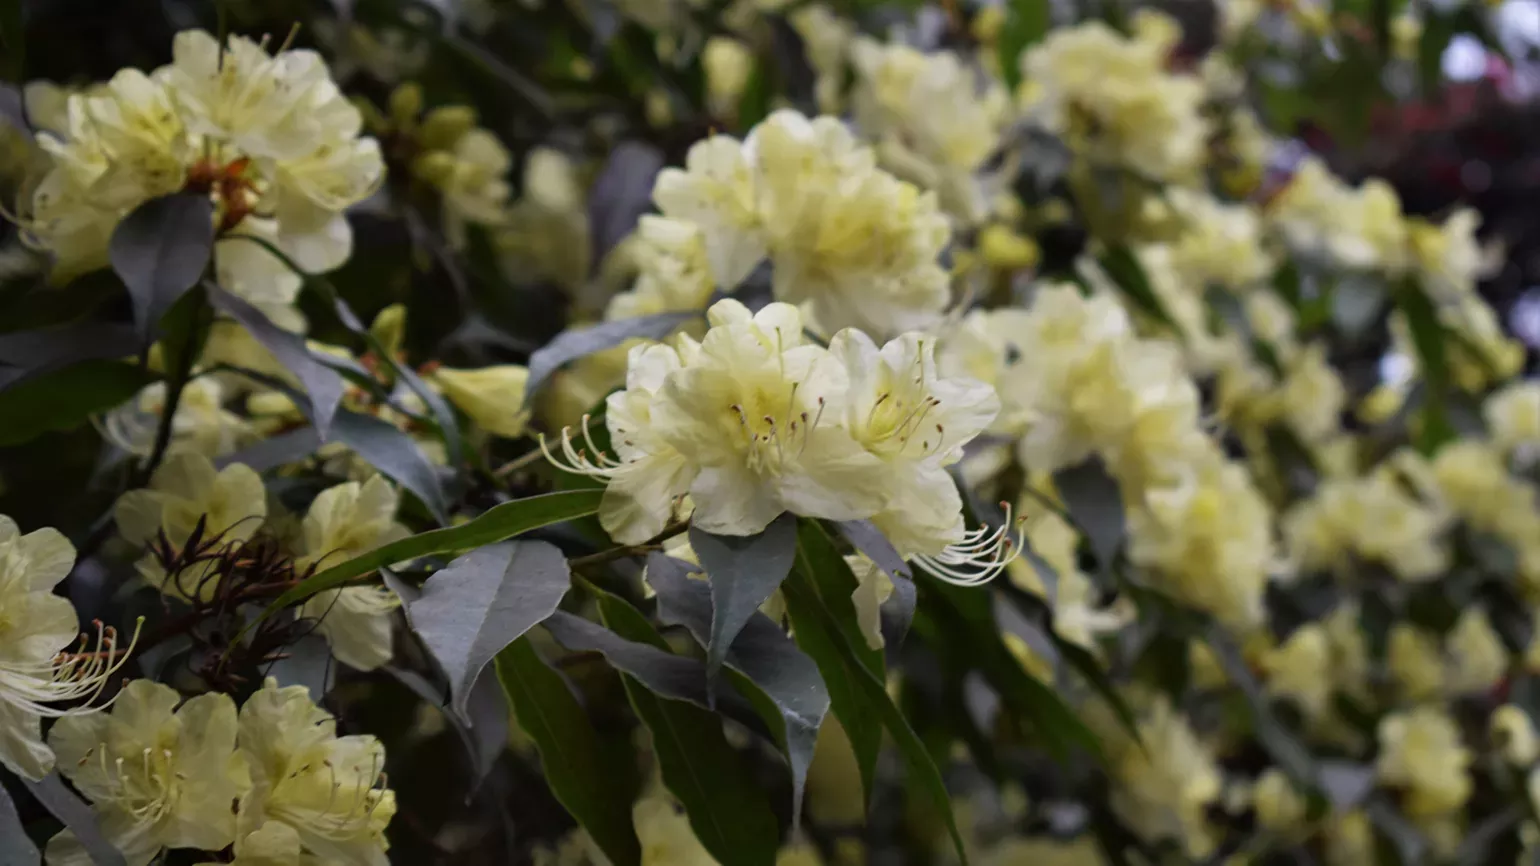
33, 686
982, 554
576, 460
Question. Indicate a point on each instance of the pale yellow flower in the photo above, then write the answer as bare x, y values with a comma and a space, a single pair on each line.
344, 522
185, 490
325, 788
157, 776
1421, 753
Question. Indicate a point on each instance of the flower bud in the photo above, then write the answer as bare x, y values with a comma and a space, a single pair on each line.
444, 125
435, 166
492, 396
389, 328
406, 103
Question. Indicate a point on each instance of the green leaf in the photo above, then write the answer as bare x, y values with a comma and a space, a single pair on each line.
1026, 23
822, 566
830, 647
727, 810
160, 250
768, 660
501, 522
576, 343
595, 791
1124, 268
395, 454
322, 384
15, 848
1429, 340
1095, 503
79, 818
478, 604
744, 572
67, 398
969, 618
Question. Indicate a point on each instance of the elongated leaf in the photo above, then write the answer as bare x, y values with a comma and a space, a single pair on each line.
621, 194
1095, 502
386, 448
1430, 342
673, 676
810, 615
580, 342
47, 349
1346, 784
482, 602
1290, 754
1026, 23
322, 383
595, 791
275, 451
727, 811
66, 398
15, 848
898, 610
1124, 268
160, 250
763, 653
499, 523
744, 573
821, 564
77, 817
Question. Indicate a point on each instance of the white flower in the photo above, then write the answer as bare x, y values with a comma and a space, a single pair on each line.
157, 776
915, 421
36, 626
343, 522
269, 138
857, 246
325, 788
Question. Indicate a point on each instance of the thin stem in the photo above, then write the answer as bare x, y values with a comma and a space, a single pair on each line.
181, 374
523, 461
623, 551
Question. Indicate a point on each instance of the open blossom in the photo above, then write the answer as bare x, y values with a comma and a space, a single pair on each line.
325, 789
754, 421
158, 776
36, 626
900, 409
186, 491
1421, 753
932, 122
856, 245
1112, 99
268, 136
343, 522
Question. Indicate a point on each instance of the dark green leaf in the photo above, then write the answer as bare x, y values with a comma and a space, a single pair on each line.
1409, 842
573, 344
831, 647
15, 848
48, 349
77, 817
160, 250
1290, 754
595, 791
501, 522
744, 572
824, 568
727, 810
762, 652
275, 451
660, 671
621, 194
1346, 784
1124, 268
483, 601
1095, 503
322, 384
1026, 23
1430, 342
396, 454
67, 398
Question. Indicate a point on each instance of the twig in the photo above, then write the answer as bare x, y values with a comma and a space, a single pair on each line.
523, 461
648, 546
